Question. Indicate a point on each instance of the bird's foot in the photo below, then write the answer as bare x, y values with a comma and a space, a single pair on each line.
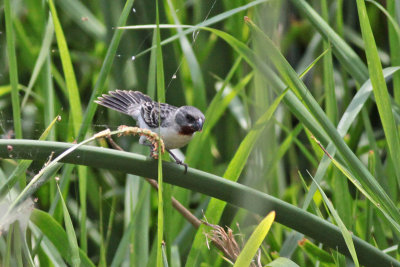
178, 161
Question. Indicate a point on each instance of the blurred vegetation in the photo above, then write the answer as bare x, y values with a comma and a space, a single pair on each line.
288, 87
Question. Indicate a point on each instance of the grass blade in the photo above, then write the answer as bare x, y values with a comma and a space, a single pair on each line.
394, 43
360, 187
43, 54
350, 60
380, 90
349, 116
72, 243
12, 60
355, 165
56, 234
257, 237
161, 99
346, 234
76, 112
329, 83
73, 92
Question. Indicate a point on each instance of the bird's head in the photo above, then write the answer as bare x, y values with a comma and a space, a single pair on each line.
190, 120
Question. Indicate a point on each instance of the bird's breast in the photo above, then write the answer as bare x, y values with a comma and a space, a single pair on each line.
173, 139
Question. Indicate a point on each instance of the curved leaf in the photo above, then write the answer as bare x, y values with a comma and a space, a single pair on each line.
257, 237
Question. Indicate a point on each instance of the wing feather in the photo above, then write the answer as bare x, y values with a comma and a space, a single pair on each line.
127, 102
153, 117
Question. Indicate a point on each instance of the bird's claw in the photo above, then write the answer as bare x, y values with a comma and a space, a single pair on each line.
184, 165
180, 162
154, 155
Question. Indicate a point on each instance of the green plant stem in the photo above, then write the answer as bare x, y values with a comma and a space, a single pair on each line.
205, 183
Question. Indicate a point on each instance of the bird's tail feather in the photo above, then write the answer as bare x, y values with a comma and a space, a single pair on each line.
127, 102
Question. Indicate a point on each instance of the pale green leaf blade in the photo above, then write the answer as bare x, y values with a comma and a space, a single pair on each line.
257, 237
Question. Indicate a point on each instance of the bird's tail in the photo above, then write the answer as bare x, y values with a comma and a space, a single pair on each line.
127, 102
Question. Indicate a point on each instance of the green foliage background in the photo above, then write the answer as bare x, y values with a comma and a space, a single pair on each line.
288, 87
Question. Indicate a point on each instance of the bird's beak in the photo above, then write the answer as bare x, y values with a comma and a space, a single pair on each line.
199, 125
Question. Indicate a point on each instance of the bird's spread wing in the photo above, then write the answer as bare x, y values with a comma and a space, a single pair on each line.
157, 114
128, 102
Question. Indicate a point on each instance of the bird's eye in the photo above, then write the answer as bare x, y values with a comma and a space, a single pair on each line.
189, 118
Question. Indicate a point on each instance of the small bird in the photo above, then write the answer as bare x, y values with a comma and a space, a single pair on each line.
176, 126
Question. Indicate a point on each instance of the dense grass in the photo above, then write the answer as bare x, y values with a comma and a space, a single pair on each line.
287, 87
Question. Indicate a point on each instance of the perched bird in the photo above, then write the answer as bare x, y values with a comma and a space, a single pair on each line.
176, 126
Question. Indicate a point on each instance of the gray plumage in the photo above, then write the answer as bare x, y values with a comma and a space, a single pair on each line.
152, 111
